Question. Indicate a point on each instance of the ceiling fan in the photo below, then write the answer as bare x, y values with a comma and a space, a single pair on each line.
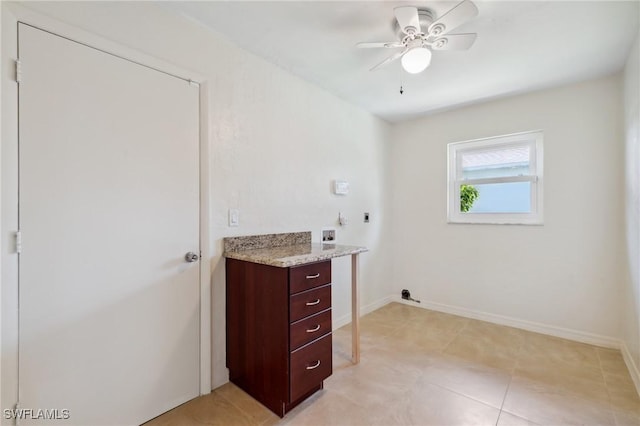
420, 32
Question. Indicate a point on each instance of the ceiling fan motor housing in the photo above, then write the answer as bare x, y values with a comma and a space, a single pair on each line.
426, 17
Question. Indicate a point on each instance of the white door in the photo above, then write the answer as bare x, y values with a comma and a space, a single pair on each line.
109, 206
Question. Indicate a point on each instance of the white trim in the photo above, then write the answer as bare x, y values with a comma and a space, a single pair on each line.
9, 224
509, 139
346, 318
533, 139
550, 330
485, 181
22, 13
2, 355
631, 365
205, 250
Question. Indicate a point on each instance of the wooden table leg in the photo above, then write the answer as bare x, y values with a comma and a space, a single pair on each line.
355, 311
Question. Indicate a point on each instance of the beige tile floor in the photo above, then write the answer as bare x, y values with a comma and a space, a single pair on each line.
421, 367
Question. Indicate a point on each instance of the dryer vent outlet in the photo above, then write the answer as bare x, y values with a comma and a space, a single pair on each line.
406, 295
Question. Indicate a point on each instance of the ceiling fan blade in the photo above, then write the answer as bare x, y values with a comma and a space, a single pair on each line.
408, 19
390, 59
455, 17
454, 42
390, 44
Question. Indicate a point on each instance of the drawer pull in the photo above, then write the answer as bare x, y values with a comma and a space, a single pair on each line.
314, 366
310, 277
315, 302
314, 329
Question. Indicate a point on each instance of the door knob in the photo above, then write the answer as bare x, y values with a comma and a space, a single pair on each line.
191, 257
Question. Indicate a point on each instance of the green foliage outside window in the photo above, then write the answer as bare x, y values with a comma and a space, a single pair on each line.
468, 195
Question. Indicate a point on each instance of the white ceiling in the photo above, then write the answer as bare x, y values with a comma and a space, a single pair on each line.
521, 46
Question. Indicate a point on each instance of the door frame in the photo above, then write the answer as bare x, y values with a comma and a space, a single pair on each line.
10, 15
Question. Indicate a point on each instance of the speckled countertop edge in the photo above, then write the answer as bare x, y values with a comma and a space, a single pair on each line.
257, 250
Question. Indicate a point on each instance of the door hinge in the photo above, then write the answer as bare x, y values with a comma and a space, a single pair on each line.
18, 71
18, 242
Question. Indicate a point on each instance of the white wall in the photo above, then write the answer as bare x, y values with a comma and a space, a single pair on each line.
564, 276
631, 292
276, 144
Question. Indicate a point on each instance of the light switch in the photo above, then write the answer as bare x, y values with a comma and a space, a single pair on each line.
234, 217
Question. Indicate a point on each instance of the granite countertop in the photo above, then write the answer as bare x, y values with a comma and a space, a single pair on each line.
284, 250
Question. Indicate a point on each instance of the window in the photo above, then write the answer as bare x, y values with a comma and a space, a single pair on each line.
496, 180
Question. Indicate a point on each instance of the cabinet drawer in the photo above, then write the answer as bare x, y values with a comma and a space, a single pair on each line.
308, 329
304, 277
309, 302
310, 365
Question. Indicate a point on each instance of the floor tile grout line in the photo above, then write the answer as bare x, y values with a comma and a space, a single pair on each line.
504, 398
606, 386
518, 357
516, 362
438, 385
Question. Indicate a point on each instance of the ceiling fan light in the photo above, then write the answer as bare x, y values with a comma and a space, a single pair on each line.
416, 60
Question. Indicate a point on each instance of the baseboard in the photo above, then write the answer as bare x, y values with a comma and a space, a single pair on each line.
631, 365
346, 319
565, 333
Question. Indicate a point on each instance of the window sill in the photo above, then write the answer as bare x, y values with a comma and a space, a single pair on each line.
491, 219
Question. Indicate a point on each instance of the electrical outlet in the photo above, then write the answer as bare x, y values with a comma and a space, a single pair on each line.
328, 235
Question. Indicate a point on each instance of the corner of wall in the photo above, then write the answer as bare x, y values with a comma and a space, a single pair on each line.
630, 328
631, 365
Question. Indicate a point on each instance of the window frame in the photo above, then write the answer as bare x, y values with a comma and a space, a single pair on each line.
533, 139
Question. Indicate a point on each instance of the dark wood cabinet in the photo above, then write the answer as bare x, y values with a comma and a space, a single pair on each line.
279, 347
